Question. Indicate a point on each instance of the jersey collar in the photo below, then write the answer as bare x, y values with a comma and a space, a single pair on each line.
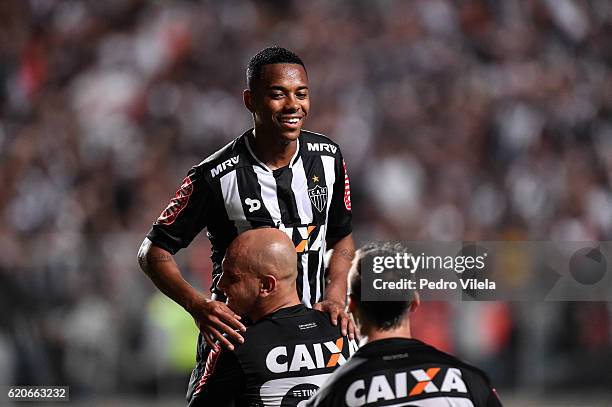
258, 161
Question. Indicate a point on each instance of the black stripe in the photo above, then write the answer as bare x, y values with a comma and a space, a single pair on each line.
220, 231
313, 168
298, 282
313, 265
249, 188
285, 196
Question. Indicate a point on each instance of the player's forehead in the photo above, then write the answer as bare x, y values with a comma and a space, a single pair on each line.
229, 265
290, 76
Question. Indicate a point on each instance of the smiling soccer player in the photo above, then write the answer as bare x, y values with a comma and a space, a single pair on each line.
274, 175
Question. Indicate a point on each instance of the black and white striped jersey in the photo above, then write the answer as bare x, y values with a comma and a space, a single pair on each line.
232, 191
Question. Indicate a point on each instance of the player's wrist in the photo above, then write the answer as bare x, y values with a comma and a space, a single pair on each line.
193, 304
335, 292
336, 298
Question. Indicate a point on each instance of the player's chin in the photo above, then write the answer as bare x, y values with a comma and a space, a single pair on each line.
290, 135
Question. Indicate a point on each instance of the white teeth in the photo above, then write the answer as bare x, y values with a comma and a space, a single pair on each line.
291, 121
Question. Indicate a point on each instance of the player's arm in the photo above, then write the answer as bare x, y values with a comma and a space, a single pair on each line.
213, 318
493, 399
482, 392
184, 217
334, 301
340, 239
222, 384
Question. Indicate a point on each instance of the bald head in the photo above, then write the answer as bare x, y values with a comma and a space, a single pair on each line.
259, 273
264, 251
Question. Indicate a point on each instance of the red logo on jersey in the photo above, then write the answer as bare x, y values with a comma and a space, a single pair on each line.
177, 204
347, 189
209, 368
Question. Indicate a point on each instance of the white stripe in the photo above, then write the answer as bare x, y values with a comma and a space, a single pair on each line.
305, 282
267, 183
273, 391
299, 187
231, 199
330, 178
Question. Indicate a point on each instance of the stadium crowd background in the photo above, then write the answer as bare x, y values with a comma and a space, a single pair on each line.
474, 119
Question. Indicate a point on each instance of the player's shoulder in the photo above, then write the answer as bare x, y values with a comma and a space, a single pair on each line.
292, 324
336, 384
317, 143
223, 160
313, 137
453, 361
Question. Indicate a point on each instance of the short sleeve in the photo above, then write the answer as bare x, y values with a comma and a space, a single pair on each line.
493, 399
186, 214
222, 382
340, 215
482, 393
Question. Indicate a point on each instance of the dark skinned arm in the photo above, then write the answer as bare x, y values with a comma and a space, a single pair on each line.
334, 301
213, 318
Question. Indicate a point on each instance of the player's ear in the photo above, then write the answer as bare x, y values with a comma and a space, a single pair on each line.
416, 301
267, 285
247, 97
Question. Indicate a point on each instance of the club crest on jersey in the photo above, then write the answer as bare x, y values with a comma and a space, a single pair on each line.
318, 197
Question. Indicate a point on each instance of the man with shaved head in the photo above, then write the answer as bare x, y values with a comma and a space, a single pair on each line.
288, 351
276, 174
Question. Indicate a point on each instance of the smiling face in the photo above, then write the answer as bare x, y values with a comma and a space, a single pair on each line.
279, 101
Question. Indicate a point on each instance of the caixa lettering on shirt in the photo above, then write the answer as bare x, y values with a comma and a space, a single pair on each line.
322, 147
221, 167
283, 359
402, 385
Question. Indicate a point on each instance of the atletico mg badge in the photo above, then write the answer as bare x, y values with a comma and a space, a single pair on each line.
318, 197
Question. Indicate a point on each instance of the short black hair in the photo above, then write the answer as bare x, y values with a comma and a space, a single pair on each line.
383, 315
267, 56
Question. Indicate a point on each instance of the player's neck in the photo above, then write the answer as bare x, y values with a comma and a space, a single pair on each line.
273, 152
371, 334
268, 307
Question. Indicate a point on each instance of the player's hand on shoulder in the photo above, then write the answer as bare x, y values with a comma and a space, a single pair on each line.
214, 319
338, 313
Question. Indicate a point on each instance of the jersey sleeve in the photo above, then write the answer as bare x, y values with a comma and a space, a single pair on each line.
483, 394
186, 214
340, 216
493, 399
222, 382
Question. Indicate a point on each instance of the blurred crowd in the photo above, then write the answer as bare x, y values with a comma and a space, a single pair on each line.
471, 119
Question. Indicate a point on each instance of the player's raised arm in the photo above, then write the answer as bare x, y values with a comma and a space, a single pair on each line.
213, 318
